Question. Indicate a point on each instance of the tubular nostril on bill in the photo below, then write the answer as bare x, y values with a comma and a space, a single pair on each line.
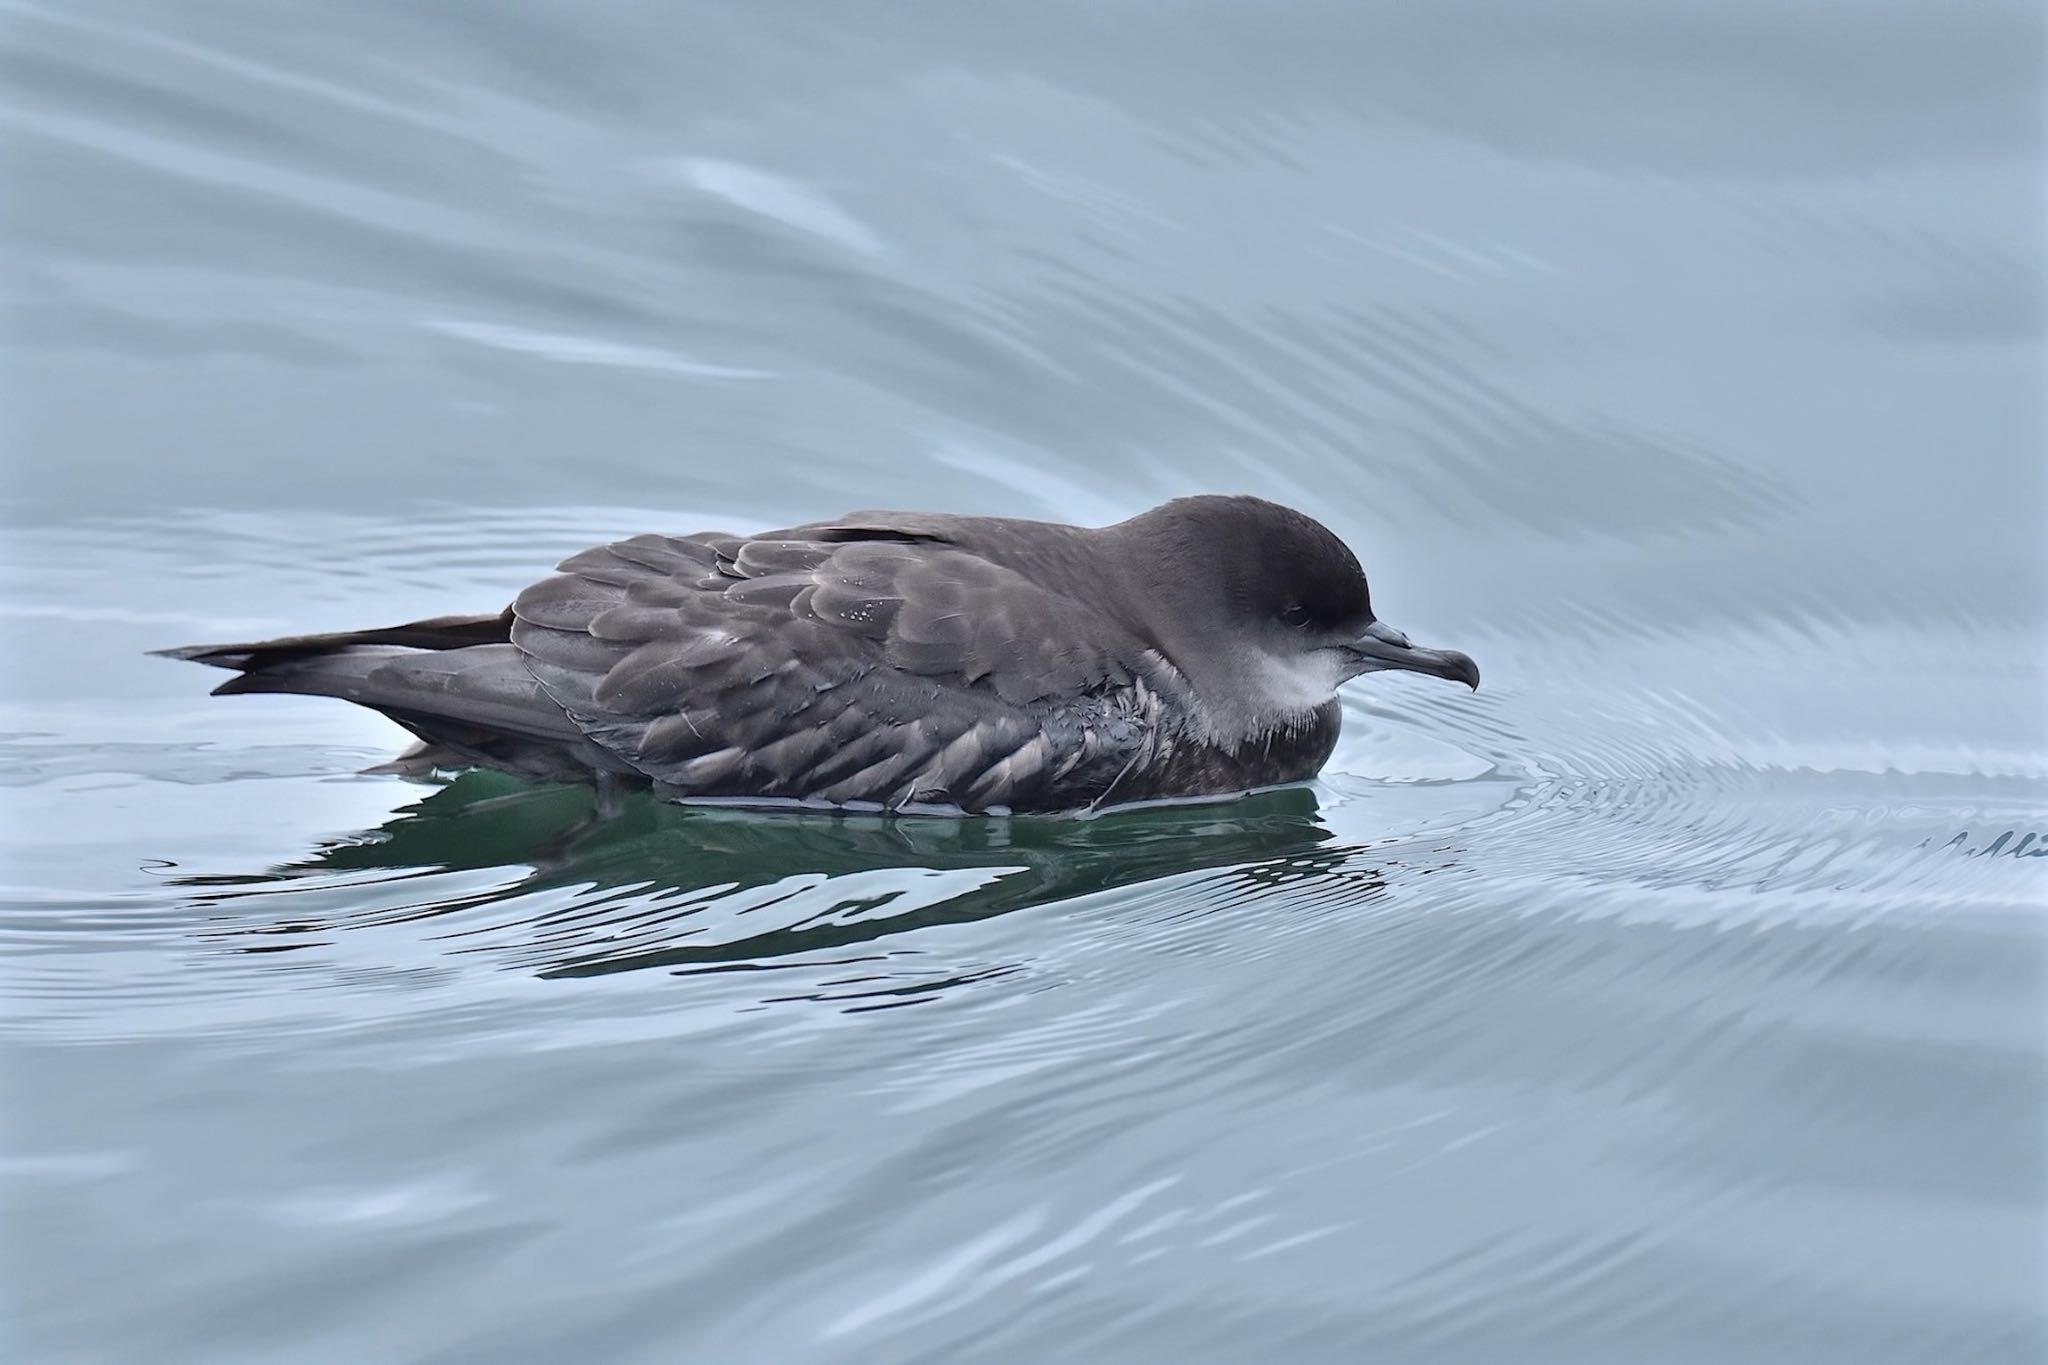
1386, 634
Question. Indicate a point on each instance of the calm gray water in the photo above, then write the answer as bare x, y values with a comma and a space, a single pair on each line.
1679, 997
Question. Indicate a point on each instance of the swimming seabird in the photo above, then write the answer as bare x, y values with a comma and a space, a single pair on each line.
899, 660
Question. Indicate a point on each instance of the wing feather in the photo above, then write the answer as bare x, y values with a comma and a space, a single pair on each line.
843, 662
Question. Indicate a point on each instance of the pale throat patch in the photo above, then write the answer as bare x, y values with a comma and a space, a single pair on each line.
1299, 682
1276, 692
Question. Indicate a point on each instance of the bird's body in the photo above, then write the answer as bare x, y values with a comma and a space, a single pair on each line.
899, 660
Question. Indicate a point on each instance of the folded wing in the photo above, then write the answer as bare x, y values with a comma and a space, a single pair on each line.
867, 660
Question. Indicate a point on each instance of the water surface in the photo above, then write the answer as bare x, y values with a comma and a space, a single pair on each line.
1678, 997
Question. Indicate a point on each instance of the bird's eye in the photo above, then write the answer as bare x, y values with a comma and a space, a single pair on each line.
1296, 616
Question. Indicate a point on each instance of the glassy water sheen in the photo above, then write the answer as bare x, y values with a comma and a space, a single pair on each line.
1679, 997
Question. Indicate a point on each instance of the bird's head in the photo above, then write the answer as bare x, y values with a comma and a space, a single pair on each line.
1265, 611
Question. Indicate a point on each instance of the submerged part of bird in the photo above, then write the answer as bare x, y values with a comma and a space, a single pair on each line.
893, 659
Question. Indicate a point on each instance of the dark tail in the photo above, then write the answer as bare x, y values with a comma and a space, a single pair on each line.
456, 682
253, 659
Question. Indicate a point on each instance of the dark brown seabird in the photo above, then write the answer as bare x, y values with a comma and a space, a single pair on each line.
893, 660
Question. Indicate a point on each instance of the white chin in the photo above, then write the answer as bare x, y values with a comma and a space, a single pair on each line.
1298, 683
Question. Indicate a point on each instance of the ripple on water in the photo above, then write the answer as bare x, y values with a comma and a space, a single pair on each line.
1571, 802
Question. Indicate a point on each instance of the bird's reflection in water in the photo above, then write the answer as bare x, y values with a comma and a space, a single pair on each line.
691, 888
